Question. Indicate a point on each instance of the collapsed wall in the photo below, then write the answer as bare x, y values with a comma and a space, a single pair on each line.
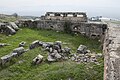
8, 28
92, 30
77, 21
111, 50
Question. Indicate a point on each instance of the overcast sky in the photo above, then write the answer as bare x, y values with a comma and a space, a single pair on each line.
107, 8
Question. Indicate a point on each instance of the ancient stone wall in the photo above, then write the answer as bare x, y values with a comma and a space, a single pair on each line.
72, 16
111, 50
78, 23
93, 30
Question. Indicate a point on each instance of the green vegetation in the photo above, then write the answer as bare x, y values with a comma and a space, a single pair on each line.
8, 19
21, 69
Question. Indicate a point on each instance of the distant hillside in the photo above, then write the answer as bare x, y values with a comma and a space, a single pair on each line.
7, 18
28, 17
14, 17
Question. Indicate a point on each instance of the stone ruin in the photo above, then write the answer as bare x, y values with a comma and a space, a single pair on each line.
55, 52
111, 50
78, 23
15, 53
8, 28
72, 16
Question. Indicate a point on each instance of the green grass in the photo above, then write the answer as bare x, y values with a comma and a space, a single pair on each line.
8, 19
62, 70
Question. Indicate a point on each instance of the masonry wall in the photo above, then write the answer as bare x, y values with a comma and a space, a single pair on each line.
111, 50
72, 16
92, 30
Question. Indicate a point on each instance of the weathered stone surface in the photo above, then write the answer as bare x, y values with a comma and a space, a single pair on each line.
66, 51
73, 16
19, 50
38, 59
4, 44
22, 44
14, 54
85, 58
14, 26
77, 24
57, 53
6, 29
82, 49
5, 59
58, 43
10, 30
111, 51
34, 44
51, 58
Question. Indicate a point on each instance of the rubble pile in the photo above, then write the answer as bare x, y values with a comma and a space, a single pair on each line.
8, 28
4, 44
85, 55
15, 53
55, 51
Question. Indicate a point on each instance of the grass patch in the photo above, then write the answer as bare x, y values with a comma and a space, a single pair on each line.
23, 70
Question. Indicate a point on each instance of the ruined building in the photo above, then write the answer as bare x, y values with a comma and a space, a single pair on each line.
73, 16
78, 23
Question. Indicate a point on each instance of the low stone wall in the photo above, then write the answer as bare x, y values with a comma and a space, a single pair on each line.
111, 50
92, 30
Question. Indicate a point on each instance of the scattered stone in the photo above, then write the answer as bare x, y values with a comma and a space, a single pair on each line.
34, 44
4, 44
15, 53
66, 50
58, 56
58, 43
88, 51
5, 59
38, 59
51, 58
84, 55
47, 44
10, 30
50, 50
40, 43
14, 26
73, 58
56, 52
54, 56
19, 50
82, 49
22, 44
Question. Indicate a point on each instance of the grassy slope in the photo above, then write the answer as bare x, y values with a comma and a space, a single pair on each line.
8, 19
23, 70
